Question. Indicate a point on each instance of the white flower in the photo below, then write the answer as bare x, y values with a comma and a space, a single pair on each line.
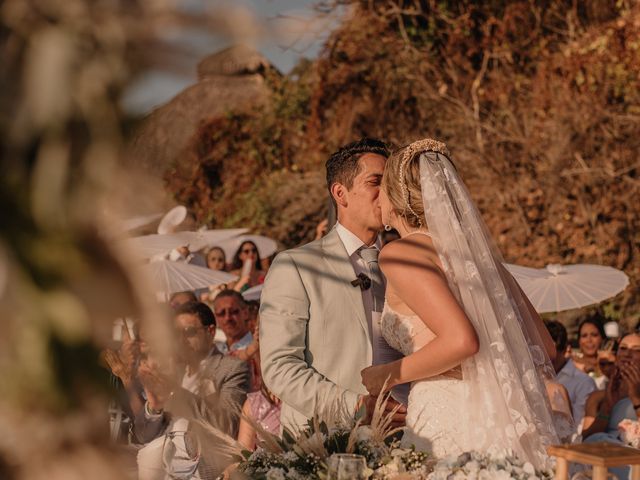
289, 456
276, 474
528, 469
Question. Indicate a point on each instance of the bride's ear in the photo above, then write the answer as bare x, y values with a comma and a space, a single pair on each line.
339, 194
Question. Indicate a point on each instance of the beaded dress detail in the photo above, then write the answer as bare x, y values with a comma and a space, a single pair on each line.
435, 411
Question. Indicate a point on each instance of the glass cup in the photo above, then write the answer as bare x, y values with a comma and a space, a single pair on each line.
346, 466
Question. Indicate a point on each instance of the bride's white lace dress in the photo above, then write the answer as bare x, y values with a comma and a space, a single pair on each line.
435, 413
436, 410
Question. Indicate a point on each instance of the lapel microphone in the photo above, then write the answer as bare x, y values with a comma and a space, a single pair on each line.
363, 281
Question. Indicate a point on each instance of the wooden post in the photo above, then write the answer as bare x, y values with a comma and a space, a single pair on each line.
562, 469
635, 472
599, 473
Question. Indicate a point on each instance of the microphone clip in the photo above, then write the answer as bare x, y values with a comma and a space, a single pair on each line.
363, 281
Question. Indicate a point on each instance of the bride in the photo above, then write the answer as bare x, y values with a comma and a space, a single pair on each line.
475, 349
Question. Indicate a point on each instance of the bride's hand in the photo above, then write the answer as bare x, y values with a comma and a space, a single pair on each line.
374, 378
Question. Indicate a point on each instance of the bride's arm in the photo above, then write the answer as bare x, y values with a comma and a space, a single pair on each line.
423, 287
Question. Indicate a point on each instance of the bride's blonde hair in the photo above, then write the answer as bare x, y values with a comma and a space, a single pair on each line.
401, 180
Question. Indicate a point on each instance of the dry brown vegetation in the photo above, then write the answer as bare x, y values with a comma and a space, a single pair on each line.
539, 103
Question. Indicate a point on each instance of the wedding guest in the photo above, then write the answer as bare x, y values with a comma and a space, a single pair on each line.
590, 338
128, 401
263, 407
247, 251
579, 385
620, 401
251, 354
216, 259
180, 298
232, 315
207, 385
254, 312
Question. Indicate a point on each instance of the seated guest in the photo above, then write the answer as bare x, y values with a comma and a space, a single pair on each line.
579, 385
216, 259
180, 298
620, 401
591, 338
247, 251
251, 354
232, 315
264, 408
208, 386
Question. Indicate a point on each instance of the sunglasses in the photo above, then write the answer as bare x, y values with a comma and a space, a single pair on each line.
227, 312
189, 332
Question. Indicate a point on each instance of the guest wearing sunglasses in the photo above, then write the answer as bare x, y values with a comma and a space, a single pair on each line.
248, 251
209, 386
232, 315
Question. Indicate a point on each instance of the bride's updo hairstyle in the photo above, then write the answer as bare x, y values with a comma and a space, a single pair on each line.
401, 180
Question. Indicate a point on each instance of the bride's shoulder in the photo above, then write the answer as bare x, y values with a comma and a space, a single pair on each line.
407, 254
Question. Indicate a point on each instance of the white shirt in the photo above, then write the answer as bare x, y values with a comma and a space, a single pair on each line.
241, 344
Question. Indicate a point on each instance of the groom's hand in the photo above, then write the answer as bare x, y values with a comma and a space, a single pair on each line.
369, 403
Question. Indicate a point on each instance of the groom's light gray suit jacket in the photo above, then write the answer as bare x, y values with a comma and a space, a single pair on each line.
314, 334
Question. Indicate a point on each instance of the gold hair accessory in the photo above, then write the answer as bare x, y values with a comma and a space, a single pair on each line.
424, 145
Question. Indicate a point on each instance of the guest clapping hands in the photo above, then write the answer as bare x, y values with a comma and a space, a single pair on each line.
606, 409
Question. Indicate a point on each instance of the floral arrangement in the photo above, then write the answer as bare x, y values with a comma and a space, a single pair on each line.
630, 432
304, 454
383, 462
478, 466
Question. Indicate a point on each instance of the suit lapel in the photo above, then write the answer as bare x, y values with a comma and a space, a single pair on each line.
335, 256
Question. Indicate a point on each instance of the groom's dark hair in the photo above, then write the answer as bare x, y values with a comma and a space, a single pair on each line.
342, 166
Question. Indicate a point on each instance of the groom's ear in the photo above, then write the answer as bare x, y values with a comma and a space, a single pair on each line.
339, 194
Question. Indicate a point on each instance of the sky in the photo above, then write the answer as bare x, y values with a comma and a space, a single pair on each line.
282, 30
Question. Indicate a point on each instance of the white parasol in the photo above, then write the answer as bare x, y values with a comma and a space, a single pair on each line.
148, 246
133, 223
266, 246
252, 293
168, 277
172, 219
563, 287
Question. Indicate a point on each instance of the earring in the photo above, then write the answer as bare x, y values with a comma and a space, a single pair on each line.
388, 228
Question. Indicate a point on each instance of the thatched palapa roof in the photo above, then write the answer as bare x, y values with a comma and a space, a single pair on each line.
230, 80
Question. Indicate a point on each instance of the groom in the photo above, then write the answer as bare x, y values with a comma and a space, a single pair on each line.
321, 302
